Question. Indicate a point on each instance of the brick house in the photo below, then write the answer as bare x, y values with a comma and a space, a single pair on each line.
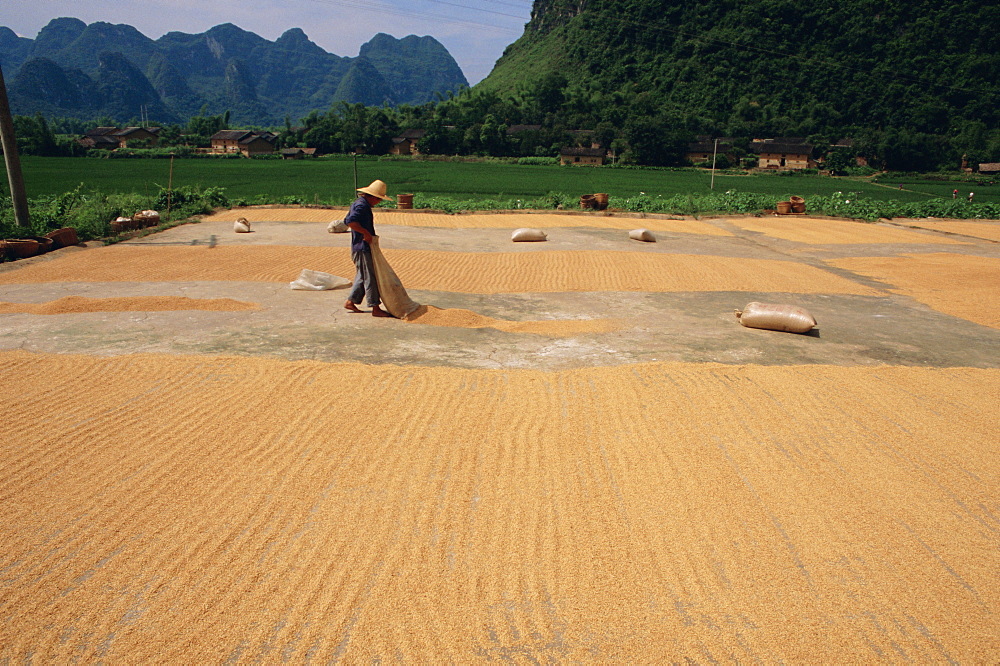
246, 142
582, 156
111, 138
149, 134
703, 149
406, 143
783, 154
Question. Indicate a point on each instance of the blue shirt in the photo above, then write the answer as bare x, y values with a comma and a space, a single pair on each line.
361, 212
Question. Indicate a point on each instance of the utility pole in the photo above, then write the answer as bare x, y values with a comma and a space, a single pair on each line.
715, 151
11, 159
170, 185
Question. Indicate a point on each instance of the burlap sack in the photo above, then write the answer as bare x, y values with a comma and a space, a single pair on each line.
241, 226
337, 227
395, 300
776, 317
523, 235
644, 235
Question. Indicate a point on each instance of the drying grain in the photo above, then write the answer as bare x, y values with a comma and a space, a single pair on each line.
78, 304
464, 272
815, 231
961, 285
209, 510
985, 229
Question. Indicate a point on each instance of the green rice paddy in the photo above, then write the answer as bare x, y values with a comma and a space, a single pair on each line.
332, 180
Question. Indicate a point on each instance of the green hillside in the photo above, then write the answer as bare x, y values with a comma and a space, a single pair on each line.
749, 68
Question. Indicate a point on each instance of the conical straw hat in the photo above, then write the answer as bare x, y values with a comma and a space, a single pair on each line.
376, 189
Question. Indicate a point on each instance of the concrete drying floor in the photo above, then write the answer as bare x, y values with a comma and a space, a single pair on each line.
680, 308
577, 455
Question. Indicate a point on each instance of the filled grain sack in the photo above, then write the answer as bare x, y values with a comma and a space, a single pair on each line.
318, 281
337, 227
776, 317
241, 226
644, 235
527, 235
395, 300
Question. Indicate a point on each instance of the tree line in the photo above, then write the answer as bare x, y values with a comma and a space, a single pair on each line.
553, 113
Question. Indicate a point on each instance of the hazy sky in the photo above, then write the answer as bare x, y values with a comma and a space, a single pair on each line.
475, 32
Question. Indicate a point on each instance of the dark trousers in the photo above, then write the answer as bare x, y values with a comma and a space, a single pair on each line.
364, 280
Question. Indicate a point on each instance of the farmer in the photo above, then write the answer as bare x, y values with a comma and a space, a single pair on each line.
362, 225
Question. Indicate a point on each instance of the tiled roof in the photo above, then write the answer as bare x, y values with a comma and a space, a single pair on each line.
230, 135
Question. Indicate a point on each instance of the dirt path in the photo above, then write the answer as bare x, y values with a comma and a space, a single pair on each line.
575, 454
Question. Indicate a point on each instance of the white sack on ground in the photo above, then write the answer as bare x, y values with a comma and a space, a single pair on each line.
776, 317
522, 235
395, 300
644, 235
241, 226
318, 281
337, 227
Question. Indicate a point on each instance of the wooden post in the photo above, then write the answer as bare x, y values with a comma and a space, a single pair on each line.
715, 151
12, 160
170, 185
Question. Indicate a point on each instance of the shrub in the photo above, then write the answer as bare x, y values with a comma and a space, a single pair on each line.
538, 161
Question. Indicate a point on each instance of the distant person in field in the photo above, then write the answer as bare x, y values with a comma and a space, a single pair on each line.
954, 194
971, 194
361, 222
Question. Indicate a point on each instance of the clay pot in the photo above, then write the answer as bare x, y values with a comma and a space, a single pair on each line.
404, 201
784, 207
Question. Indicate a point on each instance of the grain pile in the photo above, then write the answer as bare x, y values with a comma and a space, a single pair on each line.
218, 509
175, 509
78, 304
956, 284
464, 272
460, 318
837, 232
985, 229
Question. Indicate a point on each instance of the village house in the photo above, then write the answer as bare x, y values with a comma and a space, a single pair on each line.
704, 148
783, 153
406, 143
247, 142
297, 153
111, 138
989, 168
582, 156
149, 135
